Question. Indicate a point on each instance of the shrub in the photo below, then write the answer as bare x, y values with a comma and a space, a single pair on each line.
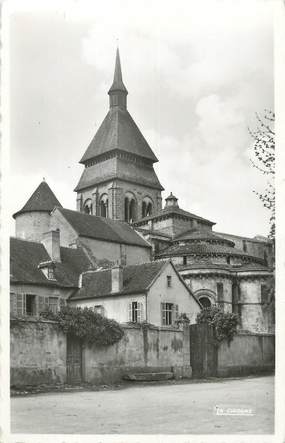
224, 323
86, 325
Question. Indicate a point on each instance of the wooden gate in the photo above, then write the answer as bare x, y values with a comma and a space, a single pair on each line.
203, 351
73, 361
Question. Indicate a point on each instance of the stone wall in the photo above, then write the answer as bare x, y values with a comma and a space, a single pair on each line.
31, 225
37, 353
140, 350
247, 354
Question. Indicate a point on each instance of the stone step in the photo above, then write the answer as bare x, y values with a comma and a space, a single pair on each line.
149, 376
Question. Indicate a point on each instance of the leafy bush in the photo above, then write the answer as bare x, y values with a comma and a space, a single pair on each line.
224, 323
86, 325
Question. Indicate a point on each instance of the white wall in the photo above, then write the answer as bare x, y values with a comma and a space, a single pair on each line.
177, 294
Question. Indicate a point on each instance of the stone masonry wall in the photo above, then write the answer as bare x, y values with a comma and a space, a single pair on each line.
37, 353
140, 350
246, 353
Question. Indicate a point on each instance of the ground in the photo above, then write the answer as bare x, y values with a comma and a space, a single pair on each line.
170, 408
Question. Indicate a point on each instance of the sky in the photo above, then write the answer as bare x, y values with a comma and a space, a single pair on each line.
196, 76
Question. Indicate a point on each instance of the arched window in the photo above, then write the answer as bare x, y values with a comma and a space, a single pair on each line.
104, 206
205, 301
87, 207
147, 206
130, 208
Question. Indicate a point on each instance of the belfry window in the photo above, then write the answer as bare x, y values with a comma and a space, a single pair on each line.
87, 207
146, 207
104, 206
130, 209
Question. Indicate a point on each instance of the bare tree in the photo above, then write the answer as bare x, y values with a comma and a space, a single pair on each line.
264, 160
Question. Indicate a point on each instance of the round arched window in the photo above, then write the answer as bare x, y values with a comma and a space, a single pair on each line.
87, 207
205, 302
104, 206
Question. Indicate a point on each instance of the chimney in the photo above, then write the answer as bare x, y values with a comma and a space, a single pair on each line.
117, 278
51, 241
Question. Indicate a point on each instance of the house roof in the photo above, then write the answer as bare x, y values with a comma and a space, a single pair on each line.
43, 199
118, 131
102, 228
136, 278
201, 235
202, 248
172, 211
26, 256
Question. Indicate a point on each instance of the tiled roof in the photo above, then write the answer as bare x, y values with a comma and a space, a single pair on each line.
101, 228
248, 267
25, 256
201, 248
118, 131
201, 235
43, 199
171, 211
136, 279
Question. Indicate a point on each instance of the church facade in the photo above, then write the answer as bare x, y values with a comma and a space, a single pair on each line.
119, 190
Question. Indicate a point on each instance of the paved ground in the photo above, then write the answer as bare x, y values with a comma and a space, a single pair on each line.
152, 409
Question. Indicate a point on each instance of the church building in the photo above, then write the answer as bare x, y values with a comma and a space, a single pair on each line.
120, 217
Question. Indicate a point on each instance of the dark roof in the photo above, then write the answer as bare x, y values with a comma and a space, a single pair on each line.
118, 131
256, 239
202, 248
201, 235
248, 267
171, 211
43, 199
154, 232
25, 257
102, 228
118, 84
136, 278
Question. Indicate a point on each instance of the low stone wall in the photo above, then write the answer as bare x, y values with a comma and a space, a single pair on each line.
142, 349
37, 353
247, 353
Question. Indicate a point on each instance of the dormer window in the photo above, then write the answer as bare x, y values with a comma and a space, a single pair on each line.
47, 269
50, 273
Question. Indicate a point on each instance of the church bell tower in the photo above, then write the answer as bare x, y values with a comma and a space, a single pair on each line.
119, 181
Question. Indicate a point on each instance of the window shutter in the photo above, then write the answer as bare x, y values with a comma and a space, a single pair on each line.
163, 314
176, 313
62, 303
40, 304
13, 304
20, 304
140, 312
46, 303
130, 313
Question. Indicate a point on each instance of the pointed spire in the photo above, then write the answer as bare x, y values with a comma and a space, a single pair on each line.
118, 92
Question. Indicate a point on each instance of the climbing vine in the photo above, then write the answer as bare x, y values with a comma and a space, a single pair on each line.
224, 323
87, 325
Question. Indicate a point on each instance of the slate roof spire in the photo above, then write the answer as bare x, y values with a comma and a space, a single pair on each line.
118, 92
